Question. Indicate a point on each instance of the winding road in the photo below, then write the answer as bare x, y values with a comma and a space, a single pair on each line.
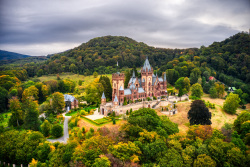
64, 138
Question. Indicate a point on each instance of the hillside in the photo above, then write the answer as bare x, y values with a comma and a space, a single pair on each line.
5, 55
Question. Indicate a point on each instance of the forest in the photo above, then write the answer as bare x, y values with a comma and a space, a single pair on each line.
144, 138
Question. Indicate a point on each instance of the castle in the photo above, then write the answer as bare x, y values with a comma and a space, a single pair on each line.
140, 89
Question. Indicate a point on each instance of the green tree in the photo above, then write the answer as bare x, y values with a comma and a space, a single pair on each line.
204, 160
57, 130
57, 102
186, 83
195, 75
95, 74
3, 99
213, 92
241, 119
125, 101
31, 91
128, 75
196, 90
94, 92
172, 76
171, 158
231, 103
16, 118
45, 127
126, 151
103, 161
31, 120
199, 113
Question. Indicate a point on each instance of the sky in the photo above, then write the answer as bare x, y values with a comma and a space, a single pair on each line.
42, 27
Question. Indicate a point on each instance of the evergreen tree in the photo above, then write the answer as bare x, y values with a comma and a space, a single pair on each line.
45, 127
128, 75
31, 120
199, 113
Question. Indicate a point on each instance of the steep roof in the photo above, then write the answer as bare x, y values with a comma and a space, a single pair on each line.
127, 92
116, 99
146, 65
141, 90
69, 98
103, 96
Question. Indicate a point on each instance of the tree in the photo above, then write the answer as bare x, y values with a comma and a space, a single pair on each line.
95, 74
199, 113
45, 127
57, 102
241, 119
30, 91
94, 92
206, 74
125, 101
172, 76
16, 118
196, 90
231, 103
171, 158
126, 151
128, 75
31, 120
220, 88
206, 87
103, 161
204, 160
57, 130
213, 92
3, 99
195, 75
186, 83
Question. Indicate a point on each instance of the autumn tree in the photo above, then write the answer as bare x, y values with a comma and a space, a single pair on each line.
231, 103
196, 90
57, 102
31, 91
16, 118
204, 160
220, 88
199, 113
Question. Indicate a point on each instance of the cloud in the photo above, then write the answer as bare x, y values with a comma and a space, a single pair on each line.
44, 27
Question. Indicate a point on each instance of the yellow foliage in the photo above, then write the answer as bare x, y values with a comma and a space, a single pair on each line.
33, 163
52, 148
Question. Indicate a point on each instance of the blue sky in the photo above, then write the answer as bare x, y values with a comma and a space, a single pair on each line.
44, 27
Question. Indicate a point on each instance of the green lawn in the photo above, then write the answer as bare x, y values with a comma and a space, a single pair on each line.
5, 117
101, 120
75, 112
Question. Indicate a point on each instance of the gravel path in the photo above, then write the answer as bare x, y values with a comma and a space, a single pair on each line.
64, 138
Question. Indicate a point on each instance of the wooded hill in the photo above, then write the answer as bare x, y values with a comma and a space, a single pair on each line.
228, 60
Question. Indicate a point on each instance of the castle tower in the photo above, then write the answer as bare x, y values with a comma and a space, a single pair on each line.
103, 99
121, 95
146, 77
117, 83
165, 83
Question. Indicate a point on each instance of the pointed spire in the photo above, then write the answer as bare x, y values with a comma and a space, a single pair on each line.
165, 77
116, 99
156, 74
133, 74
103, 96
117, 63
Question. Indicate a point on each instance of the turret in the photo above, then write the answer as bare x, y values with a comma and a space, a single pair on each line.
103, 99
115, 102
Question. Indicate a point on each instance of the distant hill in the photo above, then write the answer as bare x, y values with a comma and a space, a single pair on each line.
5, 55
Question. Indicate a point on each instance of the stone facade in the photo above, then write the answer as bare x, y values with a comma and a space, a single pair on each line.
148, 85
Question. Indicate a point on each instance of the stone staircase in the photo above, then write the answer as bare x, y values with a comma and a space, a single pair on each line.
154, 106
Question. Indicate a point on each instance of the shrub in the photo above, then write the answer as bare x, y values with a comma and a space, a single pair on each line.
57, 131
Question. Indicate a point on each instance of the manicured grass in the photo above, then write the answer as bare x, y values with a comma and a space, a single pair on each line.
93, 123
6, 117
75, 112
102, 120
